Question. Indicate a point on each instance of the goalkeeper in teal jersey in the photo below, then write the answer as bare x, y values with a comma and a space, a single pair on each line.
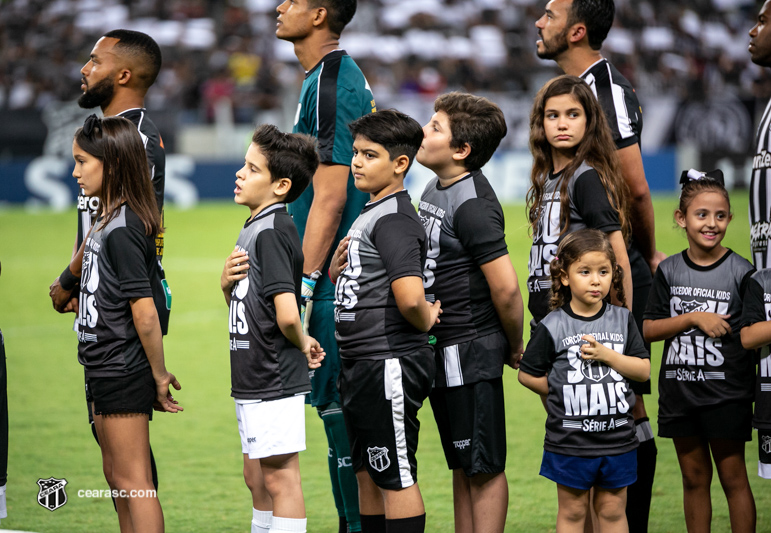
334, 93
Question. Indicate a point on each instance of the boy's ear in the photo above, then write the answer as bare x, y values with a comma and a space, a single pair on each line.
577, 32
462, 153
401, 164
320, 17
282, 187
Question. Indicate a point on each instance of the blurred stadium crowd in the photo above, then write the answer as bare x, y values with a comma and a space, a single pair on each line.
225, 51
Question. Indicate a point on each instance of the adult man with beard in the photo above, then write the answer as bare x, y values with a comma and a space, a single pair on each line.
760, 191
571, 33
122, 66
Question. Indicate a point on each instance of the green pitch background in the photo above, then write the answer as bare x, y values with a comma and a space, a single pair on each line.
198, 451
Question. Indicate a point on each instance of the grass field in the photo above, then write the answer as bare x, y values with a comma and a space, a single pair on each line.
198, 451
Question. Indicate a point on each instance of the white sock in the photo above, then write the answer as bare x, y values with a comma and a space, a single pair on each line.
261, 521
3, 509
288, 525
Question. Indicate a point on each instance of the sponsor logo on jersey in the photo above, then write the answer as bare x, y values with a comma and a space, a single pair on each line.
759, 232
344, 462
461, 444
378, 458
52, 494
761, 160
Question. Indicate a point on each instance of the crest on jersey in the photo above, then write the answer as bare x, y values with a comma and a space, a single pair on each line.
765, 445
51, 494
694, 307
595, 370
378, 458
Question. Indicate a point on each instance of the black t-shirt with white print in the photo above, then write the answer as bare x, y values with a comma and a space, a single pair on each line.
589, 208
88, 206
265, 365
156, 160
757, 308
387, 243
589, 404
465, 229
697, 370
118, 265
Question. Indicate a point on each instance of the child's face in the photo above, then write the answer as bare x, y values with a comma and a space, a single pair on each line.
589, 279
564, 122
254, 188
705, 220
88, 170
373, 170
435, 152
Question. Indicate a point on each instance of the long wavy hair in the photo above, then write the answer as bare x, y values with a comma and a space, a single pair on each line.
126, 174
596, 148
570, 250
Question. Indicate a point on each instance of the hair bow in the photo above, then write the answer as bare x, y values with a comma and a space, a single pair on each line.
92, 121
694, 175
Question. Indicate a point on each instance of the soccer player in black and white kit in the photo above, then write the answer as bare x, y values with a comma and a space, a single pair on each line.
706, 378
581, 358
269, 354
122, 66
572, 33
119, 333
760, 184
382, 317
468, 268
756, 335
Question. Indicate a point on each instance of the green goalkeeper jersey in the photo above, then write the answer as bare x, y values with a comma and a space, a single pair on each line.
334, 94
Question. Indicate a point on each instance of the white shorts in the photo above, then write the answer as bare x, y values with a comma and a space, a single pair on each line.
274, 427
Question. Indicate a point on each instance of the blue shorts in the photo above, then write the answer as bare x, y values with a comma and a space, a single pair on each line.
583, 473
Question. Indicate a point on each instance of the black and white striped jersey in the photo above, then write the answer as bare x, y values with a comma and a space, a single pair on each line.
388, 242
697, 370
589, 208
757, 308
265, 365
618, 100
118, 265
465, 229
589, 404
760, 194
156, 158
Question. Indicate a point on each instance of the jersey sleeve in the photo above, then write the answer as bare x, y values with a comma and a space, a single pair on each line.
658, 299
753, 306
126, 249
591, 200
635, 347
479, 225
336, 109
539, 354
399, 241
274, 253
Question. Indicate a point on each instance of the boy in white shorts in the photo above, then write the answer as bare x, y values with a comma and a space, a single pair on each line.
269, 354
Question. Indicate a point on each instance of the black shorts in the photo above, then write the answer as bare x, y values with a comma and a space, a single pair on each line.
472, 426
479, 359
133, 393
380, 401
731, 421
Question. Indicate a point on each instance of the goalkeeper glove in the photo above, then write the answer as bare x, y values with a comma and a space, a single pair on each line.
309, 284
